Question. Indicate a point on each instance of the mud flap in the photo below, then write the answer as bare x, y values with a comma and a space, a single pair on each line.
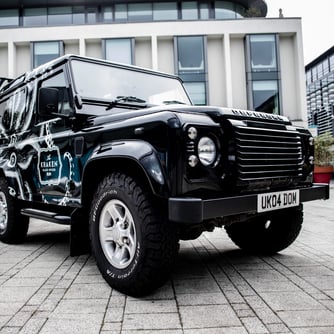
79, 235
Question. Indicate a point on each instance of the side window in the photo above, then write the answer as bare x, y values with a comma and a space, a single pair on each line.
13, 112
58, 81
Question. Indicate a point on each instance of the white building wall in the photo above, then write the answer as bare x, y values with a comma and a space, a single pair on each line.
227, 85
238, 71
216, 72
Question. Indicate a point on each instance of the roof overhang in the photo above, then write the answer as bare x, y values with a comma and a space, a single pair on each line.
258, 4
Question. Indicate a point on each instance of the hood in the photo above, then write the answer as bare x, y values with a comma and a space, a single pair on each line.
217, 114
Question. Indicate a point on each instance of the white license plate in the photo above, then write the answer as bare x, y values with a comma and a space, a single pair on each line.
277, 200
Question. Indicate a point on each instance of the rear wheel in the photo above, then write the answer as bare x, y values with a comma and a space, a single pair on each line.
13, 226
268, 234
134, 248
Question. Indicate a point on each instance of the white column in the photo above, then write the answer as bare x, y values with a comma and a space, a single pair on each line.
11, 60
82, 47
154, 46
228, 70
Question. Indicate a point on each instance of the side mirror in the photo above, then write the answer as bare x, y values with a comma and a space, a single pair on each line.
48, 99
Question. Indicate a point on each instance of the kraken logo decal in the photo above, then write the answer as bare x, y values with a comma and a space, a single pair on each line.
49, 166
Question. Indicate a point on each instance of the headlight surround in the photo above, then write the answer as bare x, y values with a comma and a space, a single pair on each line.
207, 151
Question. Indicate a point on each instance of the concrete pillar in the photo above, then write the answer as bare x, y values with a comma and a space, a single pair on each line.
228, 69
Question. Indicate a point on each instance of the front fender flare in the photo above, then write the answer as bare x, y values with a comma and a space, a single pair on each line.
142, 154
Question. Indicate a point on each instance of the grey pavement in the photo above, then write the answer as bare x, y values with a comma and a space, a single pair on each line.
215, 287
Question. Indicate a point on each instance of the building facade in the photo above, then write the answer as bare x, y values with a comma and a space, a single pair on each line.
227, 52
320, 92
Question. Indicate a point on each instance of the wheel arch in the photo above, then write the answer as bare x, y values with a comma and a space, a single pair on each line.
137, 159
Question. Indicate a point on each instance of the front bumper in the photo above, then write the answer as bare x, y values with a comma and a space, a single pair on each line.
196, 210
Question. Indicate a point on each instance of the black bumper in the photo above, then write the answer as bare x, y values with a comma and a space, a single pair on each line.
196, 210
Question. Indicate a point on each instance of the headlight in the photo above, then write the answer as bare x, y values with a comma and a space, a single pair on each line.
207, 151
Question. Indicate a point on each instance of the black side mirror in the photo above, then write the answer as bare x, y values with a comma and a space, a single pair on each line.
48, 99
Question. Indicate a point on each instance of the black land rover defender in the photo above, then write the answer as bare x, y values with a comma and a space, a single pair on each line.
121, 154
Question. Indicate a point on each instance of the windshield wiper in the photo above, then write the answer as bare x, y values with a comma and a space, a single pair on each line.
126, 101
173, 102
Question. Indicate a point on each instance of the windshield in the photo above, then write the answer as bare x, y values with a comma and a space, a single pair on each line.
105, 82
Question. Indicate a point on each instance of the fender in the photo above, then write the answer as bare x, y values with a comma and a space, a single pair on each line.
140, 152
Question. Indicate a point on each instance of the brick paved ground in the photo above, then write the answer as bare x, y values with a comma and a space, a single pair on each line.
215, 288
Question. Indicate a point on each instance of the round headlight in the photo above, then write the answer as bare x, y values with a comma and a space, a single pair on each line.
207, 151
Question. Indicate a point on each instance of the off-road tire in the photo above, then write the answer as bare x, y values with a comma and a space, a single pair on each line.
133, 246
267, 234
13, 226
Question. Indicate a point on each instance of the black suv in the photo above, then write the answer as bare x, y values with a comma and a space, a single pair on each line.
121, 154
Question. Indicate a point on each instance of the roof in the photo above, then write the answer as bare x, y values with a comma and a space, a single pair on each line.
5, 4
320, 58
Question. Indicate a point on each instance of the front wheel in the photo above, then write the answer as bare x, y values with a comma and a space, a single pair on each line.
134, 248
267, 234
13, 226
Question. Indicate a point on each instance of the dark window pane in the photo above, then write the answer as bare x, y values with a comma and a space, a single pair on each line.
119, 50
91, 13
35, 17
107, 14
44, 52
265, 96
224, 10
121, 13
79, 15
204, 11
263, 53
9, 17
60, 15
189, 10
197, 92
190, 54
164, 11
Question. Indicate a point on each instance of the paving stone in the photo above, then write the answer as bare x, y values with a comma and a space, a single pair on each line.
151, 306
201, 299
208, 316
144, 321
308, 318
292, 300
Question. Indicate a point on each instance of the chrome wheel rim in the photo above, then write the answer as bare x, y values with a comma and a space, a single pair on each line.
3, 213
117, 234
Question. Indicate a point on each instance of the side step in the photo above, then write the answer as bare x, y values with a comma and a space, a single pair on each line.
52, 217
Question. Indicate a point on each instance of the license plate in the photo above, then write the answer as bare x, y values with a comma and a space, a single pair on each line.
277, 200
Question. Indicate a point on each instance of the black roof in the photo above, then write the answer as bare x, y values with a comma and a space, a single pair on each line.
6, 4
320, 58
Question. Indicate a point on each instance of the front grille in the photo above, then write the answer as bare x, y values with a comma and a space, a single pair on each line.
263, 153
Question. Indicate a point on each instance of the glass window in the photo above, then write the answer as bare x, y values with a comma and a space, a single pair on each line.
325, 66
204, 11
240, 11
58, 81
121, 13
91, 15
9, 17
107, 13
224, 10
314, 74
263, 53
35, 17
189, 10
164, 11
197, 92
59, 15
320, 71
150, 87
190, 54
265, 96
140, 12
331, 63
45, 51
119, 50
79, 15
